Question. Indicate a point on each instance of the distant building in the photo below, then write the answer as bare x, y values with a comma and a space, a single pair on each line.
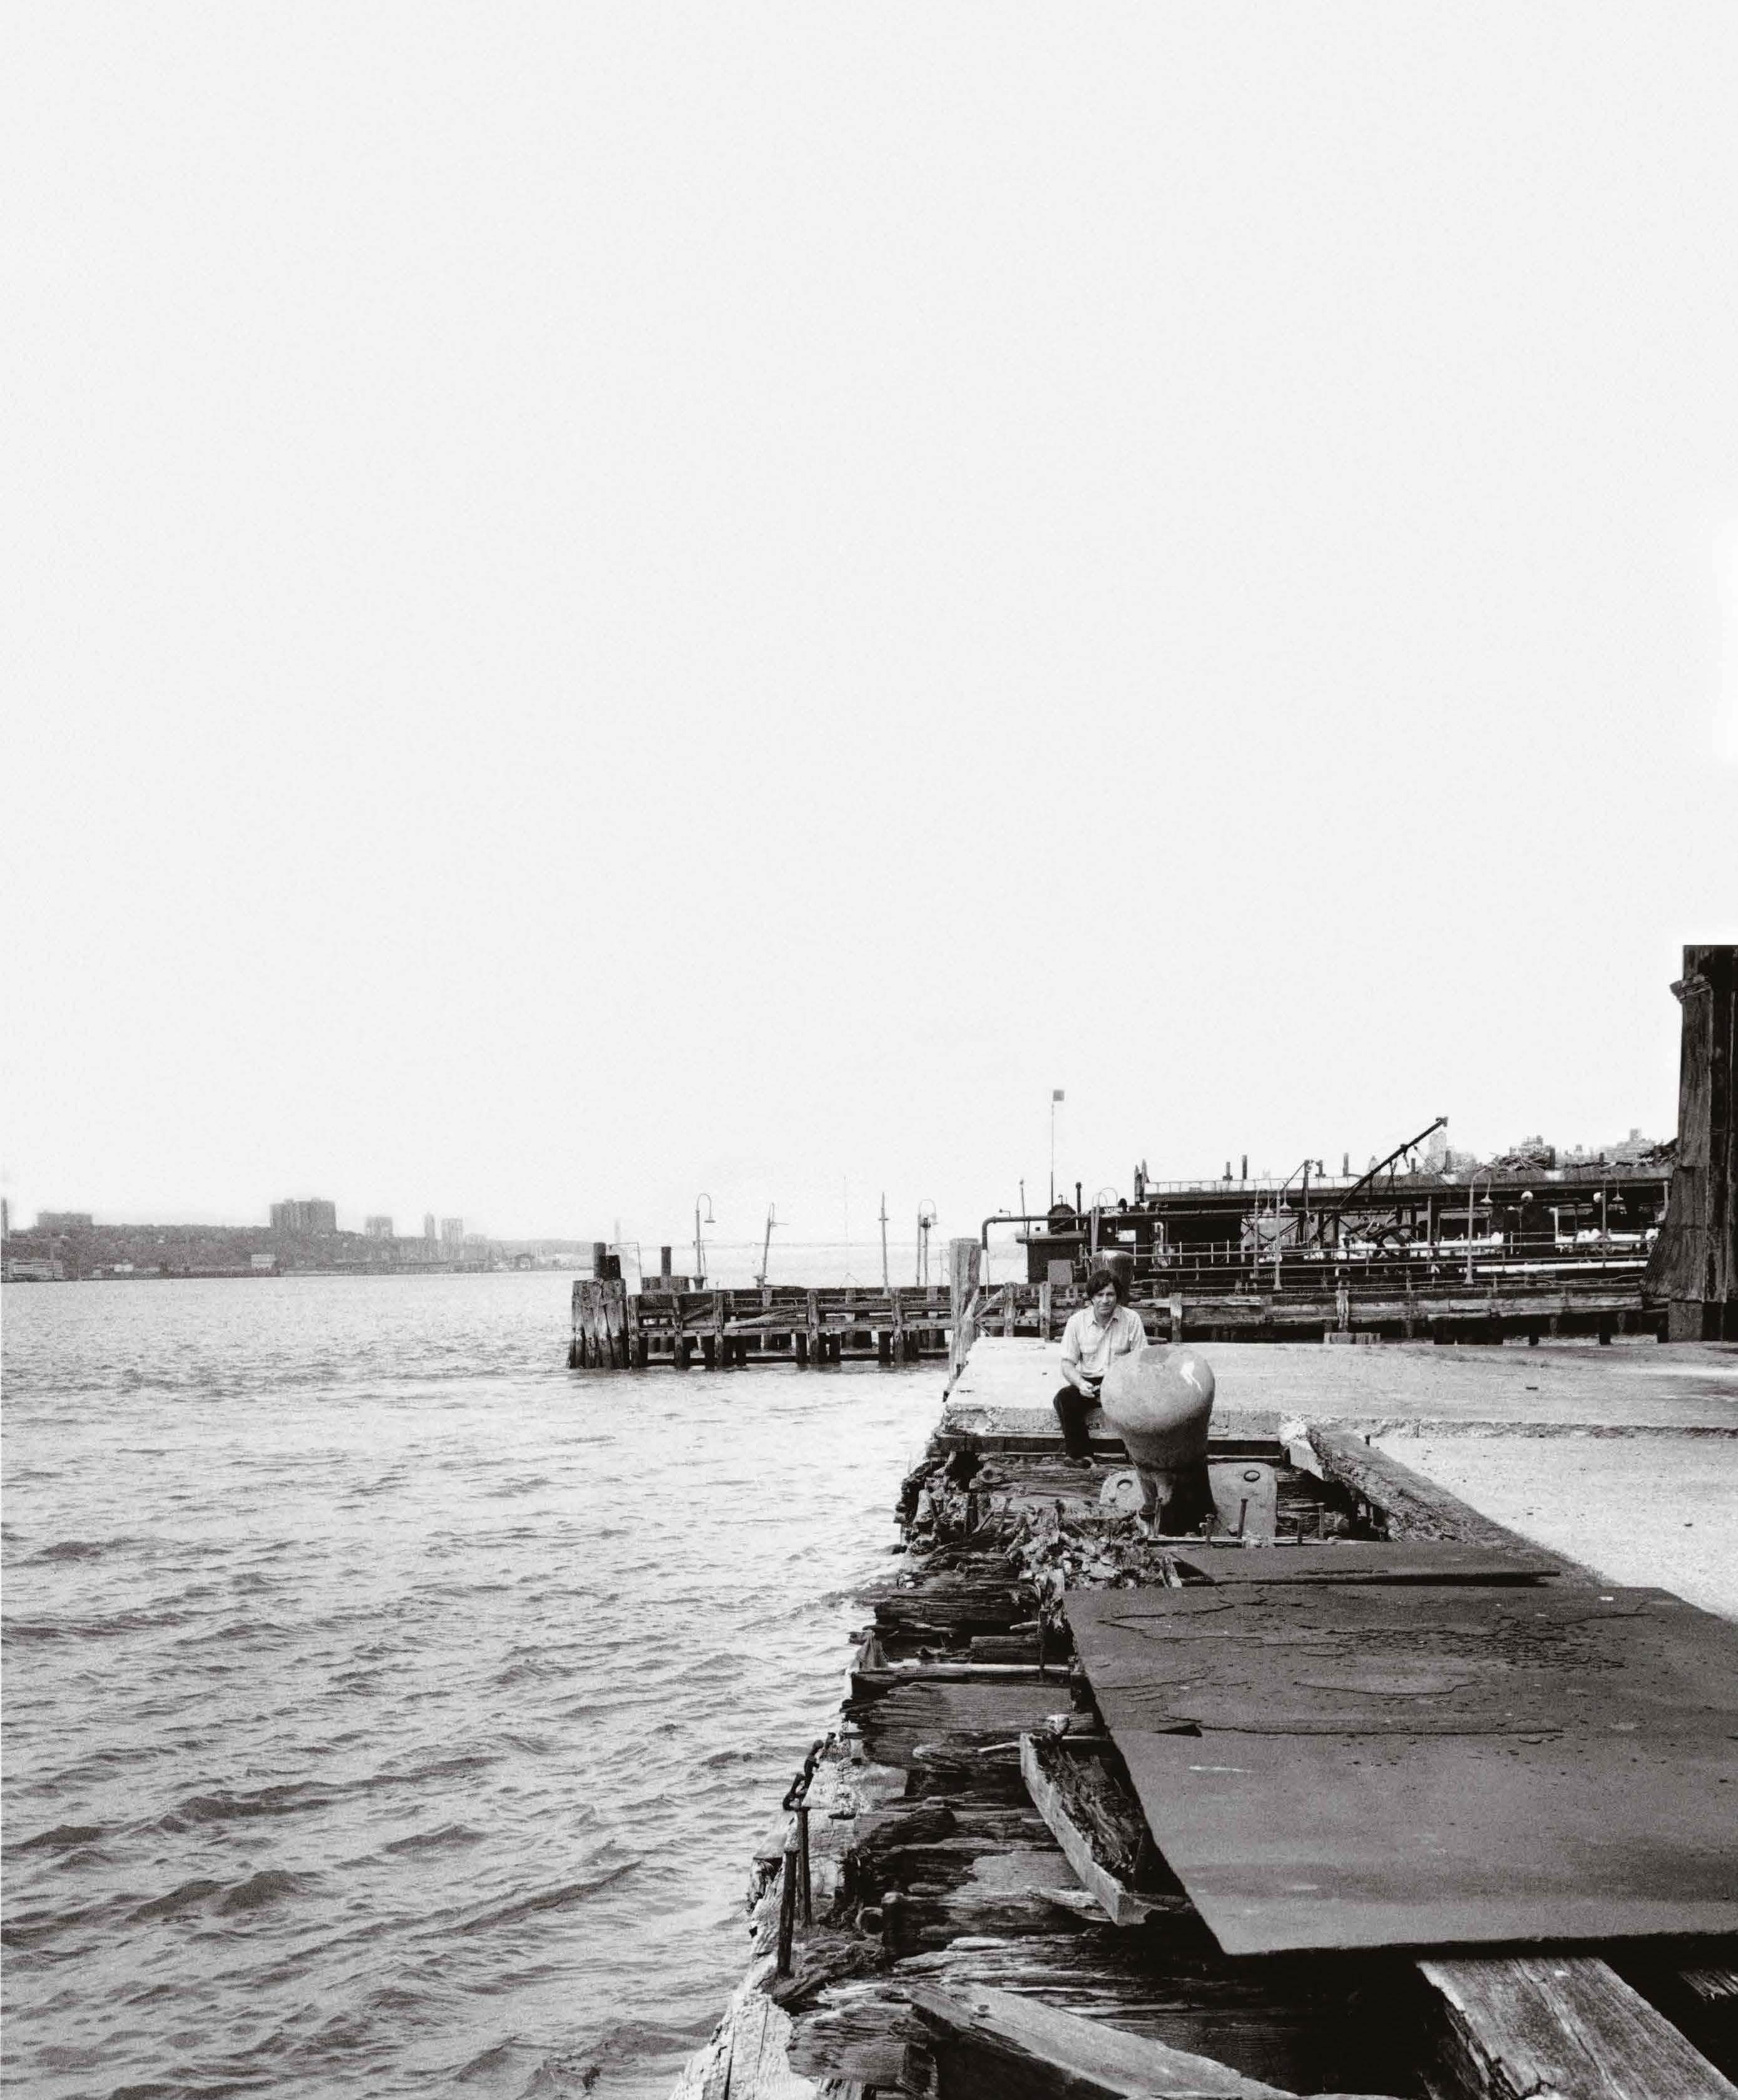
429, 1233
305, 1216
377, 1228
63, 1221
452, 1234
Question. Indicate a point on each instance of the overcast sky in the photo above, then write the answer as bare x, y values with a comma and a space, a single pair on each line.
604, 602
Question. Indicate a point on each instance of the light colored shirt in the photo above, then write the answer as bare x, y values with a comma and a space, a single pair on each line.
1094, 1347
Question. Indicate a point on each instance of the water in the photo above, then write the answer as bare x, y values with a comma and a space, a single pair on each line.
388, 1709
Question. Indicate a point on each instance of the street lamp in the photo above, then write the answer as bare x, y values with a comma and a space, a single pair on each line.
925, 1220
700, 1251
766, 1244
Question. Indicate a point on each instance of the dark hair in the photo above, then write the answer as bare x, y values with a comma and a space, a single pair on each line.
1099, 1277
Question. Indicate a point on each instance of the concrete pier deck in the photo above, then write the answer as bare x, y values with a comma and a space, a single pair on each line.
1625, 1458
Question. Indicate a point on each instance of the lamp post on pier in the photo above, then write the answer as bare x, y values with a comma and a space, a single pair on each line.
766, 1245
699, 1250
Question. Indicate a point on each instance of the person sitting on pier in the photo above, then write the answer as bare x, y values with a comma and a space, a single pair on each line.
1103, 1329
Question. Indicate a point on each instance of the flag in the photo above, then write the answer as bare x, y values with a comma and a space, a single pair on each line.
1056, 1094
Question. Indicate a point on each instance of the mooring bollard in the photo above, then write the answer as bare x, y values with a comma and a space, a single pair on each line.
804, 1884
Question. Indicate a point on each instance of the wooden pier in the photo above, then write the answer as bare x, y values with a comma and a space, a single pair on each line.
616, 1329
928, 1925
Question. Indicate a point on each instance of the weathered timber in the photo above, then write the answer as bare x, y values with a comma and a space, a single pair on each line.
1555, 2025
600, 1324
931, 1724
991, 2045
1078, 1815
1412, 1507
781, 1324
1696, 1987
964, 1274
1694, 1267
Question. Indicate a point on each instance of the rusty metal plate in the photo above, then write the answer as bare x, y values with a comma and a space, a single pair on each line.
1367, 1561
1398, 1764
1284, 1842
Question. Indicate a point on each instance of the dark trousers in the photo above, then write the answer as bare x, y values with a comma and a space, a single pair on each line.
1071, 1411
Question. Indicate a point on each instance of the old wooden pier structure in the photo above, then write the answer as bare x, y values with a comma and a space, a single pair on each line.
1030, 1859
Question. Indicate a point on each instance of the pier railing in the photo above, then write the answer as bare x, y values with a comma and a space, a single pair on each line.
1495, 1304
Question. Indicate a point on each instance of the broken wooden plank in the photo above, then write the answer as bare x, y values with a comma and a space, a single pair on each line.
991, 2045
1414, 1506
1555, 2025
1119, 1902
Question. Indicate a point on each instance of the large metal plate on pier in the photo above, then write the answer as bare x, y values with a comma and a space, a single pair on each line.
1385, 1764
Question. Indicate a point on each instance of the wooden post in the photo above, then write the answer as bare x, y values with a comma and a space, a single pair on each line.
965, 1269
1043, 1311
720, 1320
817, 1356
1176, 1316
615, 1298
788, 1906
1694, 1266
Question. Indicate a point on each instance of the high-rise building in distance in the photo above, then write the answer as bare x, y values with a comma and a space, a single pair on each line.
429, 1233
453, 1232
377, 1228
303, 1215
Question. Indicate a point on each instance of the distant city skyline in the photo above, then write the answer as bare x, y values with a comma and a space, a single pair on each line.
451, 1229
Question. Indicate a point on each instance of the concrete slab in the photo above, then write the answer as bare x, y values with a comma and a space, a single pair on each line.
1654, 1509
1561, 1387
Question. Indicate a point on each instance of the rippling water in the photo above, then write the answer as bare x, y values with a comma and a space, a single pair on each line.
388, 1709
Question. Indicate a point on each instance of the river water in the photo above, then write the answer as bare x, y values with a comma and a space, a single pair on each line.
389, 1709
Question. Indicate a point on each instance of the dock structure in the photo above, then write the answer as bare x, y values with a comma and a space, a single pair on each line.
720, 1330
615, 1329
1020, 1862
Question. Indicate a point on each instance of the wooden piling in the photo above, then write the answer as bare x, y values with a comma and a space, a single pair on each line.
1694, 1266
